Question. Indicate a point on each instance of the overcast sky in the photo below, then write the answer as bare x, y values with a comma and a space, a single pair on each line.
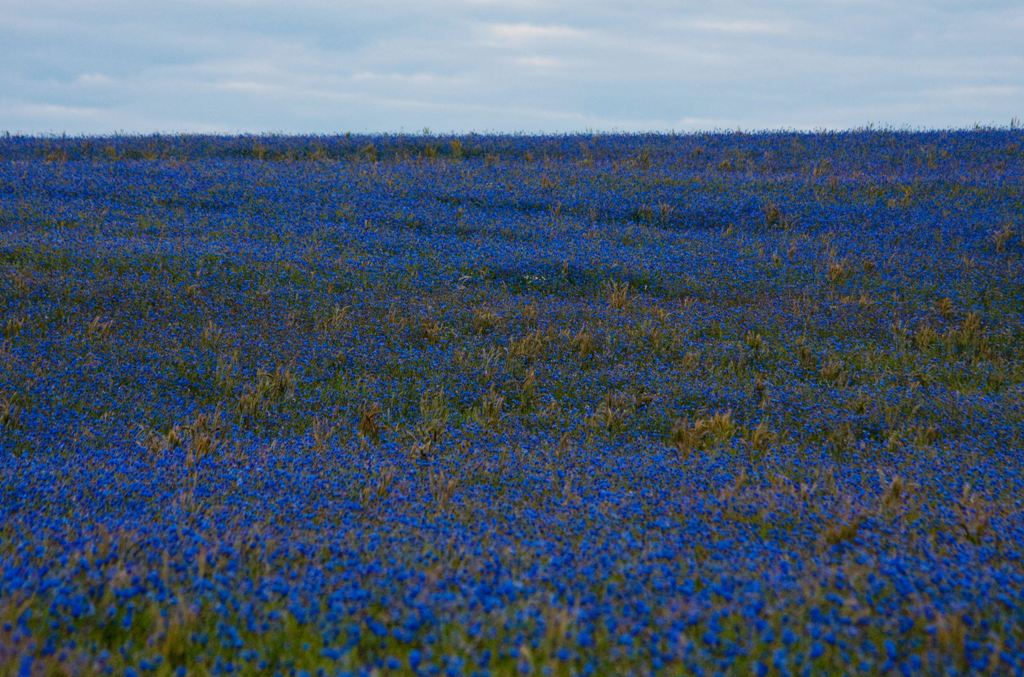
82, 66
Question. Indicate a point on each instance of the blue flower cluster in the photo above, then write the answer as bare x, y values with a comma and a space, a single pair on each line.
602, 404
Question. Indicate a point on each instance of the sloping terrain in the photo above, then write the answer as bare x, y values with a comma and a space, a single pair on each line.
610, 404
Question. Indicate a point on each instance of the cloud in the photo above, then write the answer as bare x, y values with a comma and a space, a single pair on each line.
421, 79
739, 26
50, 111
526, 33
95, 80
539, 62
524, 65
974, 92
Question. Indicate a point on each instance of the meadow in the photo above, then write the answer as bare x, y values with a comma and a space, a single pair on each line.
587, 404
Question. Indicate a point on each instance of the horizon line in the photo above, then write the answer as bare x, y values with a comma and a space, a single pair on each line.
1015, 124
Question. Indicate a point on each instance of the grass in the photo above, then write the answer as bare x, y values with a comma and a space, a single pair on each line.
583, 405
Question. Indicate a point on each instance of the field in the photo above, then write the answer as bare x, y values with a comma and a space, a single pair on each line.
742, 403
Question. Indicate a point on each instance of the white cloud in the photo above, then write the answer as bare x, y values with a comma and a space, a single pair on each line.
50, 111
249, 87
415, 79
972, 92
526, 33
529, 65
539, 62
739, 26
95, 80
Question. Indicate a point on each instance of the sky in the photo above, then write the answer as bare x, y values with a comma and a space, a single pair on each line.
314, 66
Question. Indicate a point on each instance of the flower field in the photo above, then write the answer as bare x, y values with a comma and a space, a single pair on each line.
611, 404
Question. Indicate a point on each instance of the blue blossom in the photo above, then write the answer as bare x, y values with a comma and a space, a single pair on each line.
645, 402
